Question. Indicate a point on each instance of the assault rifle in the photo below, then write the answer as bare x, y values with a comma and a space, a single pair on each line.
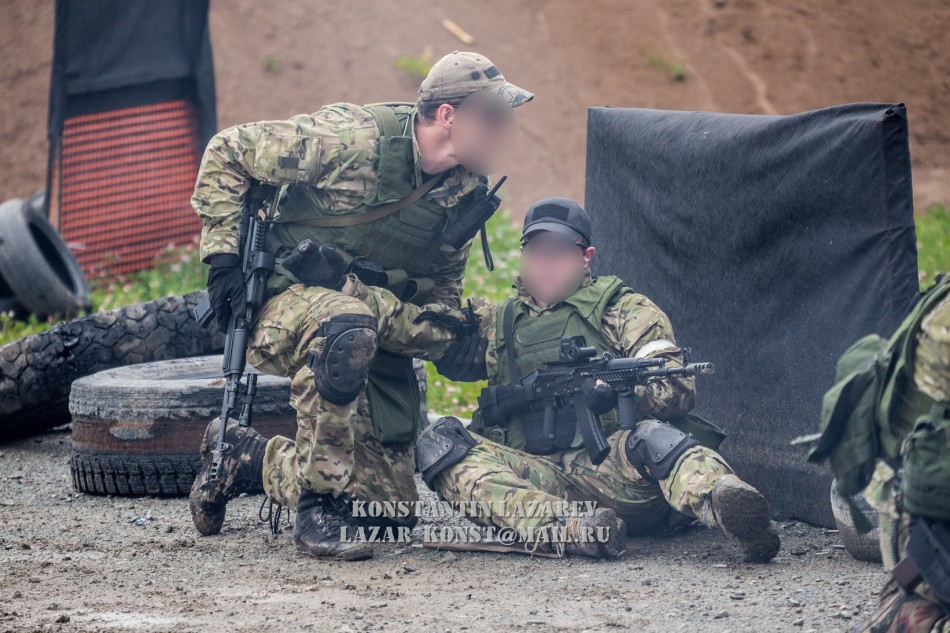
566, 382
257, 265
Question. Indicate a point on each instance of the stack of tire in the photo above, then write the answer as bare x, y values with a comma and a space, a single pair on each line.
137, 430
38, 273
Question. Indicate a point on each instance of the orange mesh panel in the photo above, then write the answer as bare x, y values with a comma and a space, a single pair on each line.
122, 184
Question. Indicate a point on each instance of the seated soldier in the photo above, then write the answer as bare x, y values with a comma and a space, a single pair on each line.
653, 474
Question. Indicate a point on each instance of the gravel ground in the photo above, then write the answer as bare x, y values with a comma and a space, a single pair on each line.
74, 562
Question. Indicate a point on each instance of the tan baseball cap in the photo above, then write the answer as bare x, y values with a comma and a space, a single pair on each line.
459, 74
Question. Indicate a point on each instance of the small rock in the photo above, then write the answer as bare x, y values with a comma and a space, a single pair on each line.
409, 569
168, 529
721, 614
646, 581
62, 619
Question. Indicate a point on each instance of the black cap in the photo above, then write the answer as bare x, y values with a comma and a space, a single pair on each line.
559, 215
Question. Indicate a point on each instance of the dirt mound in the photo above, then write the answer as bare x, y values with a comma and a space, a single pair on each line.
748, 56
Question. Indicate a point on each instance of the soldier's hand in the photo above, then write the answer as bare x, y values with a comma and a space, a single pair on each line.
496, 404
464, 360
226, 291
316, 265
599, 397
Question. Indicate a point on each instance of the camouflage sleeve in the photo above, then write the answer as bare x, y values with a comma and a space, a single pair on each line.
448, 272
638, 328
307, 148
932, 357
398, 331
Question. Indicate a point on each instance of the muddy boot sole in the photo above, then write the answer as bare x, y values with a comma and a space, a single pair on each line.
743, 514
337, 551
208, 518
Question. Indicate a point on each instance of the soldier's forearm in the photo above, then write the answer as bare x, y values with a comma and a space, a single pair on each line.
398, 331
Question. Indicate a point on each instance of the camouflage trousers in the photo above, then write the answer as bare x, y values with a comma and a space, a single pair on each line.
502, 477
335, 449
897, 612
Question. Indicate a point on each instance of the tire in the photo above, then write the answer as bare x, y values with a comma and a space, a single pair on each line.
864, 547
36, 264
137, 430
36, 372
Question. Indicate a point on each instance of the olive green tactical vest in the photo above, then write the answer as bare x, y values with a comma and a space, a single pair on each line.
404, 243
538, 340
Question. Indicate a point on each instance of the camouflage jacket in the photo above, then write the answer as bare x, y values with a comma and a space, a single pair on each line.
334, 150
629, 324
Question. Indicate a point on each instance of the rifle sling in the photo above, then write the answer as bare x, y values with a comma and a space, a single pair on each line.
508, 334
378, 213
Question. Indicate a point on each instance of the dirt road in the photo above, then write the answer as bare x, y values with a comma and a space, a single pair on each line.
73, 562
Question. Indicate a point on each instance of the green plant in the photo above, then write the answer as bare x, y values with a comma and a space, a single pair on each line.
177, 270
676, 70
416, 66
933, 243
273, 65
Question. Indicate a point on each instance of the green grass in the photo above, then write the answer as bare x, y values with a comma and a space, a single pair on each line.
179, 271
933, 243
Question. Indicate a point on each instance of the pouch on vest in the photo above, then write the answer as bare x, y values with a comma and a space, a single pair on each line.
849, 434
925, 485
565, 427
393, 393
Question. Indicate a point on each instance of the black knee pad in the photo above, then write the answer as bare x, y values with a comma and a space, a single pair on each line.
654, 446
441, 445
340, 370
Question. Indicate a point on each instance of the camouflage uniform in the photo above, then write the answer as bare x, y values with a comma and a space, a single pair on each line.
493, 472
331, 155
931, 375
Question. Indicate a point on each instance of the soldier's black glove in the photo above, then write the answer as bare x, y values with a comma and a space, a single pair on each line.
466, 326
465, 359
226, 289
599, 398
316, 265
496, 404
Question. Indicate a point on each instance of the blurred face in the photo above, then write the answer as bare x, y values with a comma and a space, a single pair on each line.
483, 131
553, 266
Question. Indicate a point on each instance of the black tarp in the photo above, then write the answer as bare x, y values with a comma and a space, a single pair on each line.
110, 54
773, 243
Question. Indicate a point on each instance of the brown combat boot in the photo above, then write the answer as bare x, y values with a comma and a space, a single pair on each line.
318, 529
743, 514
600, 535
241, 468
